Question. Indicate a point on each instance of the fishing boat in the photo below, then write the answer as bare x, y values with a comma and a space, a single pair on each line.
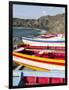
23, 77
60, 48
42, 61
44, 42
28, 46
51, 36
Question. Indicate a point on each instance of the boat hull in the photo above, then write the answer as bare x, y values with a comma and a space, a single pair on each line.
37, 63
43, 43
45, 47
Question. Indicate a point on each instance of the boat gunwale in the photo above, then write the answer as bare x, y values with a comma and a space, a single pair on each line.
44, 41
39, 58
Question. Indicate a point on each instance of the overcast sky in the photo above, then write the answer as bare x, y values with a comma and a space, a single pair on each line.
34, 12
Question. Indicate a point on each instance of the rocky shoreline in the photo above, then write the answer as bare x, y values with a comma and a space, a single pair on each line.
53, 24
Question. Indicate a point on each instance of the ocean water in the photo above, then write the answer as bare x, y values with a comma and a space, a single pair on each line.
19, 32
26, 32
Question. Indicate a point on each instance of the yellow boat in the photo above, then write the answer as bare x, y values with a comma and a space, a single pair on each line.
31, 60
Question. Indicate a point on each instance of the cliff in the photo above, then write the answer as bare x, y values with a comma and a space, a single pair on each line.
53, 24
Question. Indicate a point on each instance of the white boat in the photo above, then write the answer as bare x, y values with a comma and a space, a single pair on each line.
57, 37
44, 42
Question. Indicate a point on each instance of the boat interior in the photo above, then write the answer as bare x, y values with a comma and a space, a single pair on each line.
52, 55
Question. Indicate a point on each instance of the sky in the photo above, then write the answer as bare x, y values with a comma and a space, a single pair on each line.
34, 12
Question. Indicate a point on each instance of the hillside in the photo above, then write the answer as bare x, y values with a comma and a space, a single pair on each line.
53, 24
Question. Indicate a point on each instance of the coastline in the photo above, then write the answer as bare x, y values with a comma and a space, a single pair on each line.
21, 27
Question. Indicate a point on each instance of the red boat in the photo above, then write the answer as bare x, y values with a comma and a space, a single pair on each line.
42, 47
32, 80
46, 47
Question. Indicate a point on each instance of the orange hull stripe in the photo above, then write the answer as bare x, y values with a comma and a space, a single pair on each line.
54, 63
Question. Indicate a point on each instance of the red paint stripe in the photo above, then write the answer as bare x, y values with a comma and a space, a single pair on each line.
52, 56
57, 80
62, 64
47, 47
43, 80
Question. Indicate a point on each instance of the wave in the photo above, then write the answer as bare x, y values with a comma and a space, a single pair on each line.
43, 31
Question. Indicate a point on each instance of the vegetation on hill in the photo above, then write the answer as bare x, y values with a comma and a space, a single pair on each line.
53, 24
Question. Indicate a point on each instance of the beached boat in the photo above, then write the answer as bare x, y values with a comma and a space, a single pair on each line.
60, 48
27, 46
56, 41
23, 77
50, 36
47, 50
39, 61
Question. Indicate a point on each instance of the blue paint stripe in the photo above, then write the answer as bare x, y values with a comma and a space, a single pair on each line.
62, 41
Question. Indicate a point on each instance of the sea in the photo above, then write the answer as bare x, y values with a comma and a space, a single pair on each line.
19, 32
